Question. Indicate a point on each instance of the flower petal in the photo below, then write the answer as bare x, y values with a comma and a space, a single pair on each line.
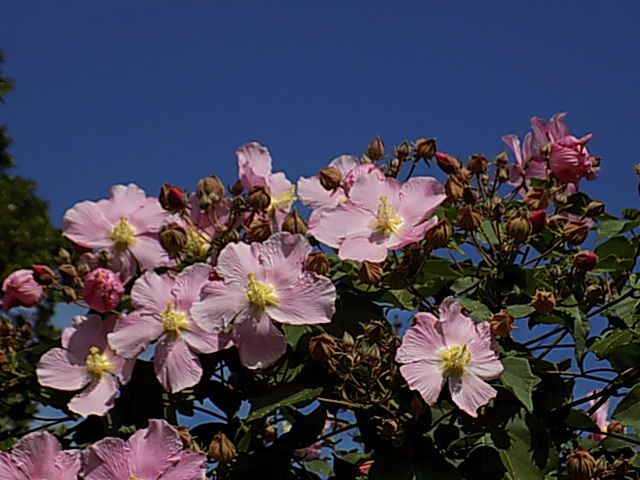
96, 399
85, 225
35, 454
107, 459
420, 196
154, 449
309, 300
235, 262
254, 165
8, 469
192, 466
188, 284
60, 370
221, 303
202, 341
152, 292
425, 377
361, 248
148, 252
421, 341
259, 342
67, 465
469, 393
133, 333
333, 225
176, 366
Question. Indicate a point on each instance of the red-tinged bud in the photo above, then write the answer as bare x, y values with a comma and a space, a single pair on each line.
543, 302
172, 198
585, 260
43, 275
447, 163
364, 467
538, 219
322, 347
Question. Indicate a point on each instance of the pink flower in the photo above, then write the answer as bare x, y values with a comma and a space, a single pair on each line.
161, 312
382, 214
39, 455
570, 161
20, 288
599, 417
525, 167
451, 348
153, 453
259, 283
103, 290
86, 362
126, 225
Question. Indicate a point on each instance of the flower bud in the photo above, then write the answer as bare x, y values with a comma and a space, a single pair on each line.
43, 275
317, 262
402, 151
322, 347
575, 232
347, 342
69, 294
580, 464
172, 198
185, 437
294, 223
538, 219
259, 199
173, 239
585, 260
221, 449
469, 196
20, 288
209, 190
237, 188
502, 159
502, 323
63, 256
536, 199
519, 227
594, 209
330, 178
593, 293
543, 302
370, 273
447, 163
103, 290
364, 467
372, 355
259, 230
425, 148
468, 218
454, 189
376, 149
615, 427
440, 234
478, 164
68, 271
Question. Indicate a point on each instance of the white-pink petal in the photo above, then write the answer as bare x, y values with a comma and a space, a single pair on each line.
424, 376
97, 398
308, 300
259, 342
176, 366
470, 392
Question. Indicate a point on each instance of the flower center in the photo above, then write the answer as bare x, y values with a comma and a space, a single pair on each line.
123, 234
197, 244
387, 220
282, 201
454, 360
96, 363
260, 295
173, 322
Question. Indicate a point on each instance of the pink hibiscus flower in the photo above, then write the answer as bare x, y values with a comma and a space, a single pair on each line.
153, 453
20, 288
126, 225
161, 312
86, 362
600, 418
452, 348
39, 455
525, 167
259, 283
382, 214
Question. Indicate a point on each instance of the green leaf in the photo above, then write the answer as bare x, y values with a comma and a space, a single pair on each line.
608, 343
284, 397
320, 466
609, 228
619, 246
476, 309
519, 459
628, 410
580, 419
294, 333
579, 327
519, 379
520, 311
391, 468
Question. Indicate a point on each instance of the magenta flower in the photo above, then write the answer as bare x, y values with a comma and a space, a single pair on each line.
259, 283
126, 225
600, 418
153, 453
161, 312
103, 290
39, 455
86, 362
452, 348
20, 289
382, 214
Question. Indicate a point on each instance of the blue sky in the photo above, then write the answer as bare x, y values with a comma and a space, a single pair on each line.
153, 91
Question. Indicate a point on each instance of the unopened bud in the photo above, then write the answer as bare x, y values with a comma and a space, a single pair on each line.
317, 262
330, 178
454, 189
375, 331
425, 148
575, 232
68, 271
373, 354
519, 227
615, 427
402, 151
593, 293
63, 256
376, 149
469, 196
321, 347
259, 199
347, 342
585, 260
172, 198
502, 159
447, 163
538, 219
209, 190
294, 223
594, 209
173, 239
185, 437
536, 199
370, 272
43, 275
440, 234
543, 302
502, 323
69, 294
221, 448
468, 218
478, 164
237, 188
580, 464
259, 230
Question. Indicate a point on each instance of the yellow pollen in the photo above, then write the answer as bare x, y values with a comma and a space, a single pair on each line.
96, 363
173, 322
282, 201
123, 234
133, 477
454, 360
197, 244
387, 220
260, 295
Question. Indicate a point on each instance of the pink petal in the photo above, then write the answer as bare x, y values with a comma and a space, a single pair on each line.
254, 165
409, 234
470, 393
60, 370
192, 466
89, 332
148, 252
202, 341
86, 225
152, 292
188, 284
259, 342
484, 362
419, 197
283, 258
35, 454
124, 200
148, 218
309, 300
154, 449
314, 195
279, 183
107, 459
235, 262
133, 333
220, 305
425, 377
368, 189
176, 366
421, 341
8, 469
96, 399
361, 248
337, 223
67, 465
457, 328
345, 163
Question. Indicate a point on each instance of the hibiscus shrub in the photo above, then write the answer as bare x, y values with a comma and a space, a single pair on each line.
483, 325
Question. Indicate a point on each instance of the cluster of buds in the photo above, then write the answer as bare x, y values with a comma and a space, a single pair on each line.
13, 338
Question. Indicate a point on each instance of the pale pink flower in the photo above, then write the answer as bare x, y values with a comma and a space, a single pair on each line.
126, 225
600, 418
38, 455
452, 348
382, 214
525, 167
103, 290
20, 289
161, 313
153, 453
259, 283
85, 362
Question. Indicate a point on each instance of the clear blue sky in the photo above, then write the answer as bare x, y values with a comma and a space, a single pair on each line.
150, 91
